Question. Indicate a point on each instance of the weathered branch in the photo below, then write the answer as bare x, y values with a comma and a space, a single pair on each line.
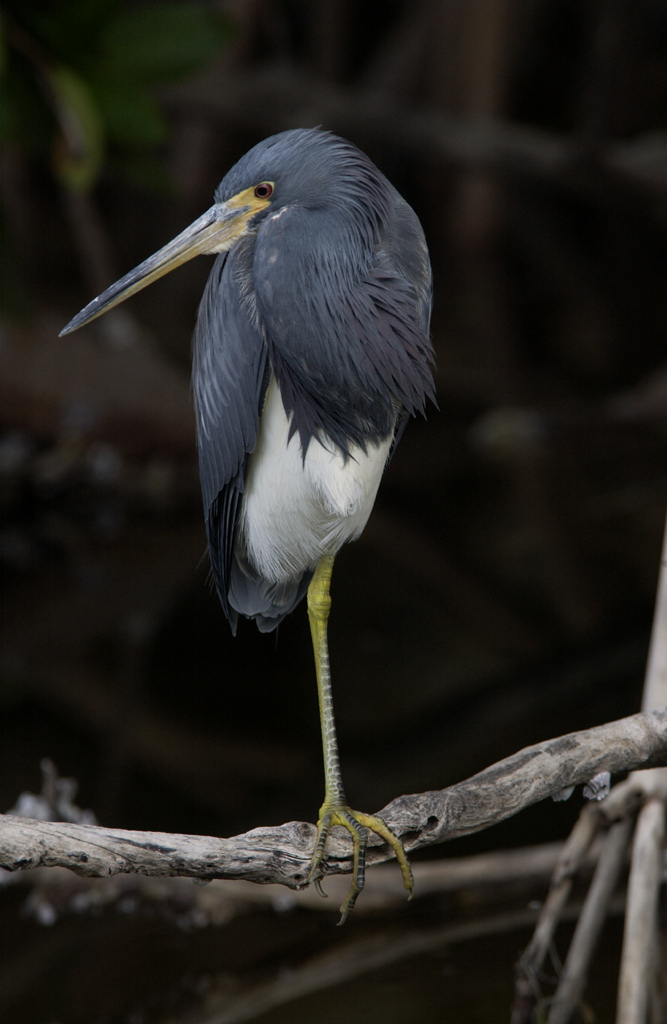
282, 854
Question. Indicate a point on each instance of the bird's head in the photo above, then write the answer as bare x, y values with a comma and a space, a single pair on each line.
309, 168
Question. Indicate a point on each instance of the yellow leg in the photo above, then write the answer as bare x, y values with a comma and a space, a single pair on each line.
335, 810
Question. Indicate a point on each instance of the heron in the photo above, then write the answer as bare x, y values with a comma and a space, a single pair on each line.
311, 350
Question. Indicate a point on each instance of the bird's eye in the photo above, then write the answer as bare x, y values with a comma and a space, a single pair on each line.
264, 190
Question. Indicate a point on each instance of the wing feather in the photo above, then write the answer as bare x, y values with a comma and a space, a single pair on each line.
346, 319
229, 378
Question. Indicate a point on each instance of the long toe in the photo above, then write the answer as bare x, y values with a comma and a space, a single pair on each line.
358, 825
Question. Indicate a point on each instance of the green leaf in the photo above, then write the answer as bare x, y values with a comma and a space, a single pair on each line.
101, 59
161, 41
79, 148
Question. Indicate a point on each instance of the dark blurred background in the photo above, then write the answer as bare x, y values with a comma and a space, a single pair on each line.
502, 592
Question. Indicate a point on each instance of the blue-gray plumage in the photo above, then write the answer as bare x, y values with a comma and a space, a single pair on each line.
331, 292
310, 352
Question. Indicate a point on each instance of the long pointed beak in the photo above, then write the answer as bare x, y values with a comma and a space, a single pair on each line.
215, 231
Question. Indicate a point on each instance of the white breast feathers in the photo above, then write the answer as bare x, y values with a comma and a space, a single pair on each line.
295, 510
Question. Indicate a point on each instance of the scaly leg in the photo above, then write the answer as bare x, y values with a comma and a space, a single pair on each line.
335, 809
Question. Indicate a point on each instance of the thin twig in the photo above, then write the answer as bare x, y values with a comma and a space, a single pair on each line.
577, 845
655, 684
638, 961
573, 979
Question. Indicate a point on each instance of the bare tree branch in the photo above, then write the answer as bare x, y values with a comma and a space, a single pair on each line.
282, 854
640, 938
590, 923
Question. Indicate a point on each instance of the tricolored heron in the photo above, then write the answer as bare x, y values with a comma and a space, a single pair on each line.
311, 349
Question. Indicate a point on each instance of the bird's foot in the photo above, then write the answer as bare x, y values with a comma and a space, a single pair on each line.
357, 825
